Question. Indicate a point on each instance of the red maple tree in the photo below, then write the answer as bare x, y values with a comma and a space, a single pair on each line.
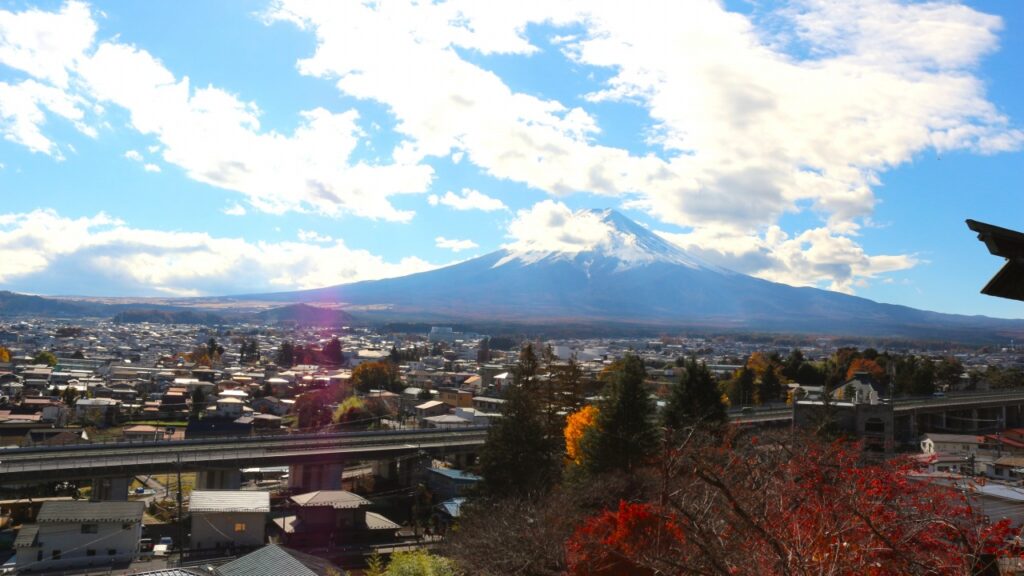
789, 508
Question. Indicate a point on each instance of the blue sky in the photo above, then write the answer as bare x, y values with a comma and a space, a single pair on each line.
235, 147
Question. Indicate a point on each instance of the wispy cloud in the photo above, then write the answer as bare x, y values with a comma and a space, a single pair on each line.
455, 245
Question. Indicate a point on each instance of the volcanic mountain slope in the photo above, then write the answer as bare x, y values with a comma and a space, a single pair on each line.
630, 275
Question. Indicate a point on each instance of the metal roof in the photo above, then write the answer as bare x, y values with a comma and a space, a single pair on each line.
26, 536
81, 511
229, 501
274, 560
337, 499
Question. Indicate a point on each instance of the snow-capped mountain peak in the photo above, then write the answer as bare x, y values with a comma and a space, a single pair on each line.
589, 237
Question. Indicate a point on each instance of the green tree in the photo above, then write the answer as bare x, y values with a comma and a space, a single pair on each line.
69, 395
694, 398
45, 357
792, 364
380, 375
285, 355
948, 371
213, 349
352, 410
420, 563
312, 410
332, 352
741, 388
770, 387
625, 435
520, 456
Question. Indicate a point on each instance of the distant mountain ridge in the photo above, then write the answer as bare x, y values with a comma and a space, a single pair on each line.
634, 277
626, 277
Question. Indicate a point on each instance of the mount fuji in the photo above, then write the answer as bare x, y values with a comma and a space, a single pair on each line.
626, 275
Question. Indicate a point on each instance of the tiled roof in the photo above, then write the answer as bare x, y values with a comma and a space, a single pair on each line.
79, 511
229, 501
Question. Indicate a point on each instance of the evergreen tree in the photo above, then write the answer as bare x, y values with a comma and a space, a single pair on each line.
625, 435
694, 399
332, 352
741, 389
285, 355
519, 456
791, 365
771, 387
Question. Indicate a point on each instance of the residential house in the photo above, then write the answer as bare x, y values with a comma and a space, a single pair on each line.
78, 534
272, 405
489, 405
332, 517
431, 408
55, 436
455, 397
97, 411
228, 518
448, 483
965, 444
143, 433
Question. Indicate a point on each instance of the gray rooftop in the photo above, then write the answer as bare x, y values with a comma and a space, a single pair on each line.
229, 501
26, 536
337, 499
81, 511
274, 560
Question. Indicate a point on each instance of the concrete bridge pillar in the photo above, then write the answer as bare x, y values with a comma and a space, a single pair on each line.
109, 489
311, 477
974, 420
219, 479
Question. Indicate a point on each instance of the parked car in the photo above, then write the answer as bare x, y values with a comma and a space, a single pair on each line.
164, 547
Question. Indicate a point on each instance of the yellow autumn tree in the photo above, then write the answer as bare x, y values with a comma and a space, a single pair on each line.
5, 354
576, 426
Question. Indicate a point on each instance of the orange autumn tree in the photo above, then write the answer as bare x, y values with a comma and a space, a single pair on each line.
576, 426
865, 365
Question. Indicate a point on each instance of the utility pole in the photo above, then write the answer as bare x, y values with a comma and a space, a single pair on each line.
181, 520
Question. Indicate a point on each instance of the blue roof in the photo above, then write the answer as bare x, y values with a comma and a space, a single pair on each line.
453, 507
457, 474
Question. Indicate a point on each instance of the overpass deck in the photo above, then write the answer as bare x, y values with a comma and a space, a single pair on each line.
92, 460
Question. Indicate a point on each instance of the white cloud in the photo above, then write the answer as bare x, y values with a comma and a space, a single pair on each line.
750, 123
553, 226
455, 245
133, 155
469, 199
108, 251
213, 135
312, 236
804, 107
217, 139
235, 210
817, 257
151, 168
46, 44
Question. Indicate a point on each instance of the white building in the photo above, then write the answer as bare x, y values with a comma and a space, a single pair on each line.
225, 518
79, 534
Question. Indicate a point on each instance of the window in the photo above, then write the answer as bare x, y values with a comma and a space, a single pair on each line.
55, 554
90, 528
90, 552
111, 551
39, 556
239, 526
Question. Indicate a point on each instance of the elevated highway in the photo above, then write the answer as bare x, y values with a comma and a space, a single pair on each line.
126, 459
